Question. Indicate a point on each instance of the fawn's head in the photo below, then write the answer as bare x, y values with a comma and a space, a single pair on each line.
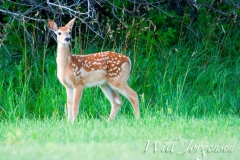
63, 33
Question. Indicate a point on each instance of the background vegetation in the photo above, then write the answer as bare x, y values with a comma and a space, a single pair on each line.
185, 55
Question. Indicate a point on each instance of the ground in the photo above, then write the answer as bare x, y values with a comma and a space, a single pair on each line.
163, 137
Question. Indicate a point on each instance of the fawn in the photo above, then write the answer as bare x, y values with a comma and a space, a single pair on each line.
108, 70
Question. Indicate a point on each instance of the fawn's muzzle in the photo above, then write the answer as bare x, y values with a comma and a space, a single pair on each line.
67, 39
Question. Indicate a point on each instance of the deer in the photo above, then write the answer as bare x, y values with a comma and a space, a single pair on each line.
108, 70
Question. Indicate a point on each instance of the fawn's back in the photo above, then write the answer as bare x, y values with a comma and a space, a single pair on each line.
96, 69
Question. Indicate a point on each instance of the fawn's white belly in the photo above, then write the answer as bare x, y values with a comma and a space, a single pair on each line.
93, 78
92, 84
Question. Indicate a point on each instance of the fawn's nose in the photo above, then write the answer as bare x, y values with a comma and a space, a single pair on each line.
67, 39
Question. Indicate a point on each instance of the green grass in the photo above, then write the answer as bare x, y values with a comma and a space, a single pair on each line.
173, 83
124, 138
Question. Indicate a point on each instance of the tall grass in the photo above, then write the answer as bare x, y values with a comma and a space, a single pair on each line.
197, 76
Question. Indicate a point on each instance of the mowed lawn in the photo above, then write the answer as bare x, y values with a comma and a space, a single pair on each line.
151, 137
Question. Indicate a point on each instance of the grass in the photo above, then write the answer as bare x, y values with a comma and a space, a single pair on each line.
124, 138
174, 84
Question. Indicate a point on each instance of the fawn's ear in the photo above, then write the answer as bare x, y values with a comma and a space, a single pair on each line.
70, 23
52, 25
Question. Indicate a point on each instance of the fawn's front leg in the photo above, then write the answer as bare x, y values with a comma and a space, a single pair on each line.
77, 96
69, 103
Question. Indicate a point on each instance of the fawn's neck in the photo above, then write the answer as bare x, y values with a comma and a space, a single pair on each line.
63, 55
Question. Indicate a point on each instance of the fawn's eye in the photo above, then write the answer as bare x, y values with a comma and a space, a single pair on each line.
59, 33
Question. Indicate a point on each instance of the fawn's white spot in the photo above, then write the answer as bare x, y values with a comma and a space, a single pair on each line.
118, 101
123, 65
83, 72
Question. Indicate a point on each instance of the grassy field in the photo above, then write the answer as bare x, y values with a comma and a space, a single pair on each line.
125, 138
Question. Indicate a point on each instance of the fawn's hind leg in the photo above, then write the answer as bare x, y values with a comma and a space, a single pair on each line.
114, 99
123, 88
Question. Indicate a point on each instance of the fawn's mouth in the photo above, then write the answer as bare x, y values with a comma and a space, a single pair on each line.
65, 42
